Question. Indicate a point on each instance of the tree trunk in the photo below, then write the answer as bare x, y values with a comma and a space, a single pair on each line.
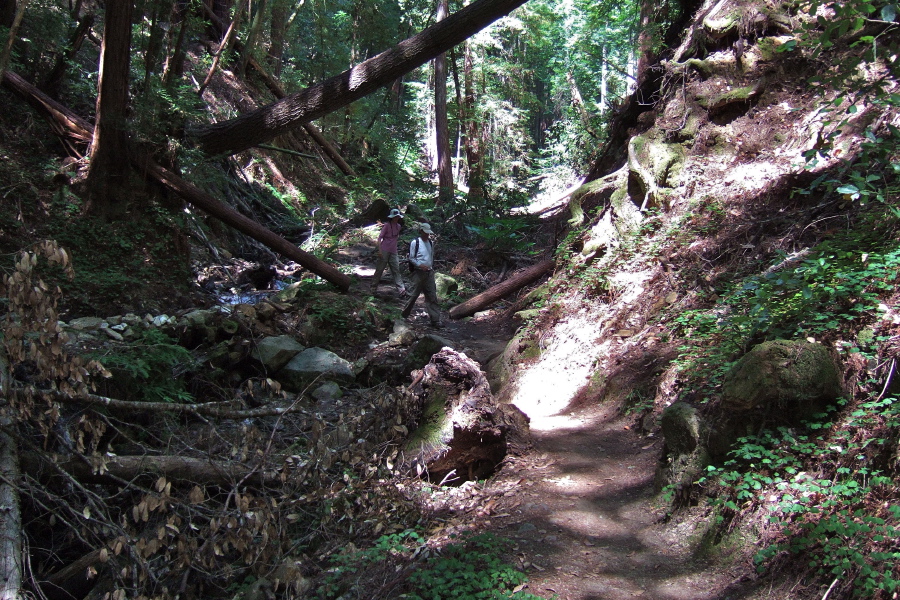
332, 152
463, 432
256, 21
108, 173
7, 13
223, 46
474, 127
263, 124
71, 126
10, 511
54, 80
445, 173
174, 67
18, 14
276, 35
491, 295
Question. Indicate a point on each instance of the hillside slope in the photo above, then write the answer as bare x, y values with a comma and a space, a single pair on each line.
750, 206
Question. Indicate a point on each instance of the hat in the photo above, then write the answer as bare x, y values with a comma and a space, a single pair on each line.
395, 212
425, 228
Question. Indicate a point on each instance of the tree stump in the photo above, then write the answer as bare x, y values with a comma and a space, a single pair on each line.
462, 432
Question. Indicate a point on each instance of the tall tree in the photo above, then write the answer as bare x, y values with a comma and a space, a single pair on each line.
108, 173
445, 173
474, 132
332, 94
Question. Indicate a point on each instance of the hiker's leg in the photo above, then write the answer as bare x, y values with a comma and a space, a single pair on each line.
432, 306
417, 283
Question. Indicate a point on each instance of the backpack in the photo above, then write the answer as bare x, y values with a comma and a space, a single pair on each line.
409, 261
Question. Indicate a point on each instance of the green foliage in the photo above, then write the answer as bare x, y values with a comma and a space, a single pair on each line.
470, 569
147, 368
820, 488
510, 234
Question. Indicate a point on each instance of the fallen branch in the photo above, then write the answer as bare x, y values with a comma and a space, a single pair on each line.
491, 295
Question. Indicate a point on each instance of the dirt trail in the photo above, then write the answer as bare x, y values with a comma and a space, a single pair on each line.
581, 511
581, 508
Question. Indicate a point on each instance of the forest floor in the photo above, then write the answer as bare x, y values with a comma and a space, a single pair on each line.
581, 508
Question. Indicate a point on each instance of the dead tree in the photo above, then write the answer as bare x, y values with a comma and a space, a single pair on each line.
491, 295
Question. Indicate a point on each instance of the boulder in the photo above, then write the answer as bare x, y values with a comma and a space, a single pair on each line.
310, 364
681, 427
327, 392
793, 379
276, 351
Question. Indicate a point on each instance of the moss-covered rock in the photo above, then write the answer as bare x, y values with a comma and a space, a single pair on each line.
791, 378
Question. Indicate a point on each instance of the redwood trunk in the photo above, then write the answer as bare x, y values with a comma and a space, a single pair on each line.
445, 173
268, 122
326, 146
491, 295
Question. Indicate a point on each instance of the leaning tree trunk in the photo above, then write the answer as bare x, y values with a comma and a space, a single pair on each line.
463, 432
268, 122
491, 295
10, 511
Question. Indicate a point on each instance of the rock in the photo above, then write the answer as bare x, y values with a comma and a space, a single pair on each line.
310, 364
403, 334
789, 378
277, 351
288, 293
111, 334
681, 428
86, 324
445, 284
327, 392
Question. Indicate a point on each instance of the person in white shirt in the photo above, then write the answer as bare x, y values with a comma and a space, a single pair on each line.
421, 259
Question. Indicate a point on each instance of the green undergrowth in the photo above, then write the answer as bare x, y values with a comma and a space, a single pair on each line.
147, 368
828, 294
828, 490
400, 565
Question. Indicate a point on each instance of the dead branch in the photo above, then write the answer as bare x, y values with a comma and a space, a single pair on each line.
209, 409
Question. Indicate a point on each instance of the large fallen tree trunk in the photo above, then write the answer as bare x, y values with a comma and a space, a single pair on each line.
275, 87
72, 127
491, 295
268, 122
463, 433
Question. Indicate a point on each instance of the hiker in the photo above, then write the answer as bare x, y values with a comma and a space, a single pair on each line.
421, 261
387, 251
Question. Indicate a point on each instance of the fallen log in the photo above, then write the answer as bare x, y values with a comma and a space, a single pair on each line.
110, 469
501, 290
70, 126
275, 87
463, 432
